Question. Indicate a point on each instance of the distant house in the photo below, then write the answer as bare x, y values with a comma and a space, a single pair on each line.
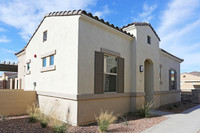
80, 64
6, 78
190, 81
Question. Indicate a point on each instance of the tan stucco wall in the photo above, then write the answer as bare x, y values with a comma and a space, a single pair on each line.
92, 37
87, 110
60, 108
189, 82
62, 36
168, 63
15, 102
166, 98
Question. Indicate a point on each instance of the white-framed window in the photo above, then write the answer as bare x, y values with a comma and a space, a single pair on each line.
51, 62
44, 62
44, 36
148, 39
28, 66
172, 79
110, 73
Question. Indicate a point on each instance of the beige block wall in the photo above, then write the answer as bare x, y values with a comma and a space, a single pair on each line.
15, 102
59, 108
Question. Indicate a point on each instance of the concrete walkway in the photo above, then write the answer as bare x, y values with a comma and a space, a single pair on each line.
185, 122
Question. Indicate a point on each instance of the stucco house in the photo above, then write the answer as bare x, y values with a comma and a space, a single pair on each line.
190, 81
80, 64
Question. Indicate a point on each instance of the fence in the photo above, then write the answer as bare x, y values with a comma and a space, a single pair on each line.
15, 102
14, 83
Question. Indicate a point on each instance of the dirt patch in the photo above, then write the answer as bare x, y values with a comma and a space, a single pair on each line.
134, 124
177, 107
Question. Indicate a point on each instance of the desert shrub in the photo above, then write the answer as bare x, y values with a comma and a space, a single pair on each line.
104, 120
59, 128
169, 107
144, 110
34, 113
44, 119
125, 120
2, 117
176, 105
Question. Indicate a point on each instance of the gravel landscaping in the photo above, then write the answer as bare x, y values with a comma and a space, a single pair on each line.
177, 107
135, 125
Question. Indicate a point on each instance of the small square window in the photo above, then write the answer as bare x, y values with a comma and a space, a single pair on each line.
51, 60
28, 66
44, 62
44, 36
148, 39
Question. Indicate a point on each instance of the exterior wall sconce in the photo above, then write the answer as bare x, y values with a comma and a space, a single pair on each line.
141, 68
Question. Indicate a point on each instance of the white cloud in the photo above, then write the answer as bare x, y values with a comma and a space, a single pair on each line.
25, 15
2, 29
146, 14
4, 39
7, 51
104, 12
179, 31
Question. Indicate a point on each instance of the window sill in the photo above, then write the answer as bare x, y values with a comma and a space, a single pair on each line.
48, 68
28, 72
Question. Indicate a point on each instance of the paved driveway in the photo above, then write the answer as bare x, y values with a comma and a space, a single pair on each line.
185, 122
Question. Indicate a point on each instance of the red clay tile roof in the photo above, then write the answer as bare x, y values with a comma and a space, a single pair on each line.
142, 24
75, 12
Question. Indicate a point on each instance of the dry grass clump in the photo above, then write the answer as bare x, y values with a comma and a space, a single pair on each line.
144, 110
34, 112
58, 126
104, 120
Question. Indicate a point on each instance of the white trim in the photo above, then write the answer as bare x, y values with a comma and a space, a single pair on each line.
28, 61
48, 68
28, 72
53, 52
110, 52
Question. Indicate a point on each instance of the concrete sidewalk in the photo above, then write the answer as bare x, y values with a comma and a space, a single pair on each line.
185, 122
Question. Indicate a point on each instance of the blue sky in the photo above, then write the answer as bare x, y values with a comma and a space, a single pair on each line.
177, 22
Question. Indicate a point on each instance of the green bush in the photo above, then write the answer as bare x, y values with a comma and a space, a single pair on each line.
104, 120
144, 110
61, 128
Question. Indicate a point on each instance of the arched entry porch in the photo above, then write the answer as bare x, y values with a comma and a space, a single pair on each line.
149, 80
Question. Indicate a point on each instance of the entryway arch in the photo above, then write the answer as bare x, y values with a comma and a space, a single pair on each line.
149, 80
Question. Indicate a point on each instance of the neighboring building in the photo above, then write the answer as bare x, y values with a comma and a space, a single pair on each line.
80, 65
190, 81
9, 75
6, 79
